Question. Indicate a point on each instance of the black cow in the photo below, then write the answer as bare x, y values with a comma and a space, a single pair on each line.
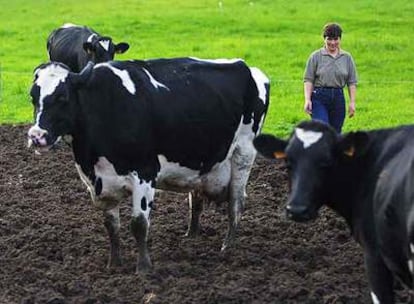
368, 178
75, 45
179, 124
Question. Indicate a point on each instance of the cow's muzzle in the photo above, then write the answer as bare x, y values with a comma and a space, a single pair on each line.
300, 213
40, 138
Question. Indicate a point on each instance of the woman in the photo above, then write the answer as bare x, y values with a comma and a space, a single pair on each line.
327, 71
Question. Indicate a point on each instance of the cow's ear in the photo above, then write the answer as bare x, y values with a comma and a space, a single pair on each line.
121, 47
270, 146
354, 144
88, 47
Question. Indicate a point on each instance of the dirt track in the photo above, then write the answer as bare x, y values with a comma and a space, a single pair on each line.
53, 245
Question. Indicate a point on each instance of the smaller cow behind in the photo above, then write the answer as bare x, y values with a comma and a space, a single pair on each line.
75, 45
367, 178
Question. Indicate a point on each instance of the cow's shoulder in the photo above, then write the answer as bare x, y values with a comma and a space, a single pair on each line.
388, 143
396, 161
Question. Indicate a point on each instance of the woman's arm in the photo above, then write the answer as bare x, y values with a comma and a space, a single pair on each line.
307, 89
352, 97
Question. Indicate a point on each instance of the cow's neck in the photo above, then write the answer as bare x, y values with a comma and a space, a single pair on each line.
353, 182
350, 190
83, 153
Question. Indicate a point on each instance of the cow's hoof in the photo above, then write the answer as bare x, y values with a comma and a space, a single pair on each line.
114, 263
144, 266
227, 244
192, 233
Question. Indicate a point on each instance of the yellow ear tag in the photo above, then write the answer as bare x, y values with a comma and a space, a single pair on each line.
350, 152
279, 154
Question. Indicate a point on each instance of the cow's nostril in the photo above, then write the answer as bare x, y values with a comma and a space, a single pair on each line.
297, 213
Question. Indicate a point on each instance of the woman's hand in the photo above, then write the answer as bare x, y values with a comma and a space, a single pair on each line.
351, 109
308, 106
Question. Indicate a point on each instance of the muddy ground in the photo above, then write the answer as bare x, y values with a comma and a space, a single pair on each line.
53, 245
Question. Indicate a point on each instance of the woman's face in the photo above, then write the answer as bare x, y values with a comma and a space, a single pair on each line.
332, 44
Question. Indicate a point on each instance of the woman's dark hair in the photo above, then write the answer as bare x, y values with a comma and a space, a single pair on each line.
332, 30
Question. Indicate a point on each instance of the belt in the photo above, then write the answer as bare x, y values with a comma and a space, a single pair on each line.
328, 88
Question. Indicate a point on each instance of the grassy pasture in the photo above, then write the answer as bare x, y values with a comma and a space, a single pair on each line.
276, 36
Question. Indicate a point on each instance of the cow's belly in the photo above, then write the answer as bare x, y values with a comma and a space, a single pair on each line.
109, 188
177, 178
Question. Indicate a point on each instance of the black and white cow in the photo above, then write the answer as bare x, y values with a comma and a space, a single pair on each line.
180, 124
76, 45
368, 178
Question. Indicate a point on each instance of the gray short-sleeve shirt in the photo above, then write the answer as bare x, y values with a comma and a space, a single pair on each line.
323, 70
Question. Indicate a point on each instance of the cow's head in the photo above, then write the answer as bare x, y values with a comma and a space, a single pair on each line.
102, 49
311, 153
54, 99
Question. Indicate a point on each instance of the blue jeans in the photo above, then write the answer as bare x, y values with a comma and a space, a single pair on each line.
328, 105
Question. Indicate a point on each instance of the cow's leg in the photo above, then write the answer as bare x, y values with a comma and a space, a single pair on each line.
142, 202
241, 164
195, 204
112, 225
411, 268
380, 279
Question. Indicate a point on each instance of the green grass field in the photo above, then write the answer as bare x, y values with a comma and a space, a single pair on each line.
276, 36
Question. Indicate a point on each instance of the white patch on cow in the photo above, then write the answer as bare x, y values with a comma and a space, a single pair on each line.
412, 248
261, 80
114, 186
243, 137
48, 80
218, 179
154, 82
67, 25
374, 298
105, 44
112, 183
173, 176
307, 137
86, 181
243, 154
218, 61
140, 190
411, 266
122, 74
91, 37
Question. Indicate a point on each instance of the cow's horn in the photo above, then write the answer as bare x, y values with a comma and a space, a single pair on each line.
83, 76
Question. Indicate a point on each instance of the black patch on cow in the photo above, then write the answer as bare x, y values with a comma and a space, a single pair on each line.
98, 186
151, 205
144, 204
